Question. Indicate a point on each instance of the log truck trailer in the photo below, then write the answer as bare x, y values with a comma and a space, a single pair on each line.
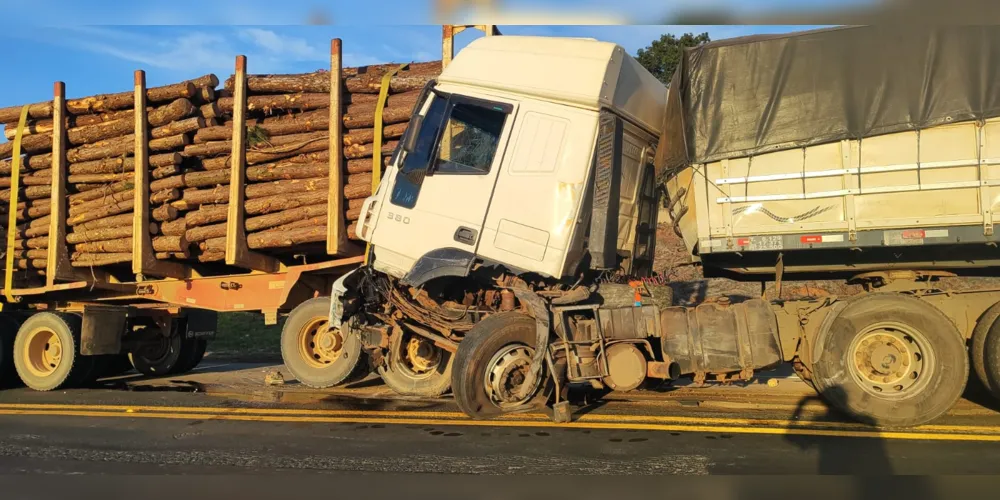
533, 172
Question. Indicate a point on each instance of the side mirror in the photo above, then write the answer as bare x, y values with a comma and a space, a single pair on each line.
412, 132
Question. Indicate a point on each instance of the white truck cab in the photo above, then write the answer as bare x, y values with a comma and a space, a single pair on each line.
527, 177
497, 162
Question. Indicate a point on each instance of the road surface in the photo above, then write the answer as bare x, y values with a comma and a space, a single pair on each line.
222, 421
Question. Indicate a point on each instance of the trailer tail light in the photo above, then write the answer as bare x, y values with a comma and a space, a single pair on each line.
914, 234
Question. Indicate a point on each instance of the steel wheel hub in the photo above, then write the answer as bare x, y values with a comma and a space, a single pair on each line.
43, 352
318, 344
156, 352
422, 355
506, 375
890, 359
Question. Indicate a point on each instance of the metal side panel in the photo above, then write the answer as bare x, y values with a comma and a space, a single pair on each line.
607, 187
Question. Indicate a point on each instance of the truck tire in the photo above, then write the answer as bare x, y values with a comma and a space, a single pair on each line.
316, 357
416, 367
891, 360
192, 351
159, 358
991, 360
977, 348
47, 352
491, 359
8, 330
117, 364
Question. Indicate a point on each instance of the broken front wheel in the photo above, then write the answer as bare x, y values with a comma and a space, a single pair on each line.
493, 364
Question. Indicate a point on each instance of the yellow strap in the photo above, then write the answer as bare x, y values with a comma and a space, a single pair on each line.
15, 186
383, 95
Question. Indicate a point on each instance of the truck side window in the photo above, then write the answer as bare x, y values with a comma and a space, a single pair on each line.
470, 140
414, 168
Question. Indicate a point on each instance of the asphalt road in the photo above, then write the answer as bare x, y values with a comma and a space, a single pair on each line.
246, 438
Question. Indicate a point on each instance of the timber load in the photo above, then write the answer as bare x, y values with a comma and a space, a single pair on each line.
98, 151
288, 155
286, 163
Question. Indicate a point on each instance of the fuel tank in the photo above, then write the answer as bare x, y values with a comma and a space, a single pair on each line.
720, 338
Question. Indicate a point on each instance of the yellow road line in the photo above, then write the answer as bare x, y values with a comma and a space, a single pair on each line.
458, 415
455, 418
588, 418
925, 436
235, 411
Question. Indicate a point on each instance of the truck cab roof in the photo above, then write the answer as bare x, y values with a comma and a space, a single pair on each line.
573, 71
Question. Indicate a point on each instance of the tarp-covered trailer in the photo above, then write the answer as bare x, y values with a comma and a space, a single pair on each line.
871, 152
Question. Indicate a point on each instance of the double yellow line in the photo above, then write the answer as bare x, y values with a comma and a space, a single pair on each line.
529, 420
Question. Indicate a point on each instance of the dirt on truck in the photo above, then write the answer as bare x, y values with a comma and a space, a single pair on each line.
835, 186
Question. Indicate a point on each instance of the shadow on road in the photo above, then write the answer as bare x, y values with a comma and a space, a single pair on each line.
866, 458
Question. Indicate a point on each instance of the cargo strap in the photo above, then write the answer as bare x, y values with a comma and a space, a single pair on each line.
383, 95
15, 186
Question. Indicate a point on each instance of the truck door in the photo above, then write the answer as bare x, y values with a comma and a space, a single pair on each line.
434, 207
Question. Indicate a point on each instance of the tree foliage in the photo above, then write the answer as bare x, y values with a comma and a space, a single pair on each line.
662, 56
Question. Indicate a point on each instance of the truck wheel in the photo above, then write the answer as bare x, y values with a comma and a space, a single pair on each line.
991, 360
116, 365
47, 352
157, 358
8, 330
192, 351
977, 349
317, 356
492, 363
416, 367
891, 360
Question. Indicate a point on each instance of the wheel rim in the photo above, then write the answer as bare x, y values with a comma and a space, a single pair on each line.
506, 374
319, 345
155, 353
418, 357
43, 352
891, 360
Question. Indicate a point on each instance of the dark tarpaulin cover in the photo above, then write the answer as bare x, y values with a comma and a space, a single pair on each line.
758, 94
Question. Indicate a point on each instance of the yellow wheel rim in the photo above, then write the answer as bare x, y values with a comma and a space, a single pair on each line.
318, 344
43, 352
422, 355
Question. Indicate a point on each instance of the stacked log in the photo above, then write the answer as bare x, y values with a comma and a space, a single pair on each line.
100, 144
190, 125
288, 156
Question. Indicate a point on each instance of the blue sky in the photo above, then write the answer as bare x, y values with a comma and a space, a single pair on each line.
95, 45
101, 59
370, 12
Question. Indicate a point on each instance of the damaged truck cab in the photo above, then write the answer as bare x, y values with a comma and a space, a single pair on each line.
511, 241
525, 179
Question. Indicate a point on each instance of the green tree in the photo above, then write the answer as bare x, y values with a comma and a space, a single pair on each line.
662, 56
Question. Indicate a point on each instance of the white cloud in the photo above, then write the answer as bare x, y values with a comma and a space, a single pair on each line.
284, 46
197, 51
193, 51
353, 60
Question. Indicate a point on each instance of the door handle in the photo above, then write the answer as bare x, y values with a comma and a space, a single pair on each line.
466, 235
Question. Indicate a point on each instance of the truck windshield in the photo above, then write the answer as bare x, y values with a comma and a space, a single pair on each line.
469, 141
414, 167
458, 135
